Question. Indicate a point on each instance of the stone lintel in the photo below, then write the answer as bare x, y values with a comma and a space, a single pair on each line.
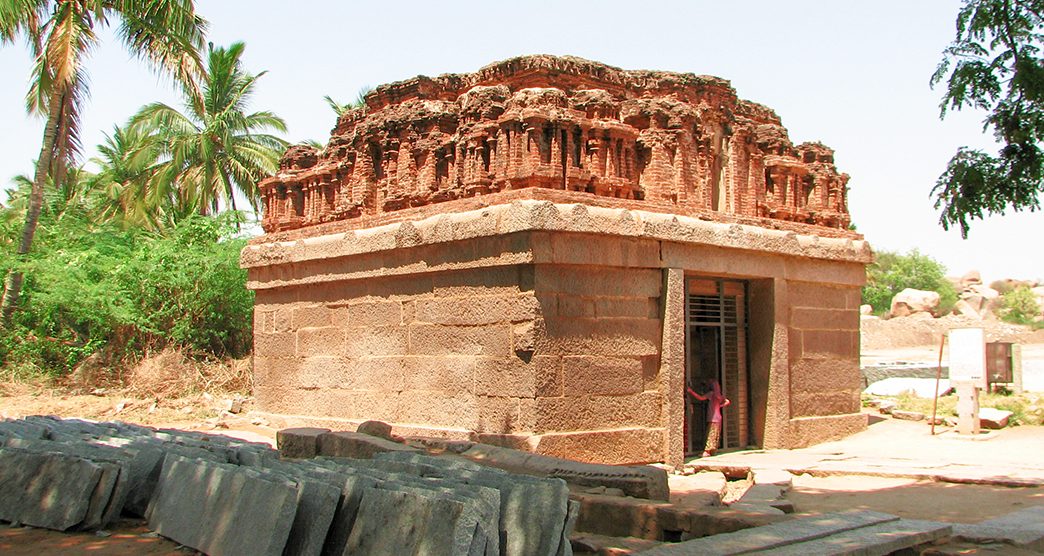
526, 216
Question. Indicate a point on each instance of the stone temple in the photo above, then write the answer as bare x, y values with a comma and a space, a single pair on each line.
543, 253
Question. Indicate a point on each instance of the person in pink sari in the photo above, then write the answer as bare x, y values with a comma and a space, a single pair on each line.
716, 401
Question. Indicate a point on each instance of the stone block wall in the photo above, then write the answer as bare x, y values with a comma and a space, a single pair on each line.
541, 327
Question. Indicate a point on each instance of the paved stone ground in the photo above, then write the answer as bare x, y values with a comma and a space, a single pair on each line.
892, 448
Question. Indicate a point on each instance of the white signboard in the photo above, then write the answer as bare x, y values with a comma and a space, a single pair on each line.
967, 354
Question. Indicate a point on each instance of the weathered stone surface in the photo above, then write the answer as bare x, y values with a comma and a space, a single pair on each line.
907, 415
48, 490
302, 442
991, 418
222, 509
391, 522
357, 445
641, 481
885, 538
558, 123
767, 537
379, 429
911, 301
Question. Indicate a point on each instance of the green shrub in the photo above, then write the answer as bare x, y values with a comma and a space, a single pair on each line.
1019, 306
97, 290
891, 273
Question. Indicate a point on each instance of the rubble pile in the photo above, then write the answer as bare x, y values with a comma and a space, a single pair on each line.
221, 495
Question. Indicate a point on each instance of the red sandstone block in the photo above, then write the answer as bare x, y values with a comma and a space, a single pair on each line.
282, 320
459, 411
499, 280
810, 404
320, 341
276, 297
651, 373
824, 319
619, 447
376, 341
280, 344
710, 260
822, 271
375, 313
825, 375
830, 343
478, 310
616, 251
498, 415
320, 372
609, 337
376, 374
431, 339
808, 294
597, 281
509, 376
264, 322
606, 376
633, 307
449, 375
311, 317
547, 376
597, 412
575, 306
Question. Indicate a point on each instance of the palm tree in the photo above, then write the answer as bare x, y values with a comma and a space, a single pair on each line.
167, 34
123, 187
215, 148
340, 109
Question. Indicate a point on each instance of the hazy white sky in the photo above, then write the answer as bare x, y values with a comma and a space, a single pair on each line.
851, 74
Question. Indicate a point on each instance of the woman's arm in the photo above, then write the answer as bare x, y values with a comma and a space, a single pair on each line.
695, 395
726, 402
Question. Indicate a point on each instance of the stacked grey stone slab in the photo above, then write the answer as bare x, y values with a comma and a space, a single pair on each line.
223, 496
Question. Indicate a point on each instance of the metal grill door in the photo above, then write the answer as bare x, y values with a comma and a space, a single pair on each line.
716, 349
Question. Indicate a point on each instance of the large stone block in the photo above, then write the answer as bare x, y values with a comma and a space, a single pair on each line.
618, 447
223, 509
605, 376
376, 341
375, 313
606, 337
392, 522
48, 490
588, 413
347, 444
478, 310
430, 339
328, 340
302, 442
597, 281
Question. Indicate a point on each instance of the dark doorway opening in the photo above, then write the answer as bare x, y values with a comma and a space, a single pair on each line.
716, 349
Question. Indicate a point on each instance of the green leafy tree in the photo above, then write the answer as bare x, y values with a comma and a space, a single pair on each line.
215, 147
995, 65
1020, 306
340, 109
891, 273
61, 34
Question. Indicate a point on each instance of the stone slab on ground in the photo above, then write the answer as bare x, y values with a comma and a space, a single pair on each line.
613, 516
777, 477
222, 509
1024, 528
775, 535
391, 522
919, 387
875, 540
615, 546
302, 442
48, 490
357, 445
641, 481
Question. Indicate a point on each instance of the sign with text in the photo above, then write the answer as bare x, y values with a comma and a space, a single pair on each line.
967, 354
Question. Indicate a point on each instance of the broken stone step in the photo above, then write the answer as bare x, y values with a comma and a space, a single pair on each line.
601, 545
1024, 529
875, 540
775, 535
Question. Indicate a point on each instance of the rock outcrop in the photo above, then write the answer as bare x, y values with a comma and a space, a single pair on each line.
660, 141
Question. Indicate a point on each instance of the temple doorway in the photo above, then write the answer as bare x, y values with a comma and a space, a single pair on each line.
716, 349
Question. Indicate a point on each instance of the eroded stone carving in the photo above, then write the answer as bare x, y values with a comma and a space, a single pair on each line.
677, 142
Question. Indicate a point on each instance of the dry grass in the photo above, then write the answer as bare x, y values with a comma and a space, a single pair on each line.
174, 374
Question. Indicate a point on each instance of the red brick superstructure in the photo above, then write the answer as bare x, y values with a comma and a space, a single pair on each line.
681, 143
542, 254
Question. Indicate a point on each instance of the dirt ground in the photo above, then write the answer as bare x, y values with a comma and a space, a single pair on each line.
909, 498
